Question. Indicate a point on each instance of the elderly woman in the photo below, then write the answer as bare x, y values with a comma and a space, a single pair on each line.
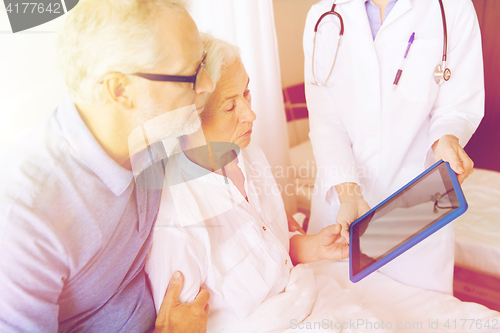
222, 221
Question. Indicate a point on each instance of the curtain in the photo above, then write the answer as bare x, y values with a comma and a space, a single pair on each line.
249, 24
31, 84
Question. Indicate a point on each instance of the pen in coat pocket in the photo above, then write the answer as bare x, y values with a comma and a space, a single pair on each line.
403, 62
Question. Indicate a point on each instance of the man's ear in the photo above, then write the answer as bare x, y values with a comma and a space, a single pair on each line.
116, 89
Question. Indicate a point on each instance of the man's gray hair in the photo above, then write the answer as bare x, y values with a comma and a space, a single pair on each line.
105, 36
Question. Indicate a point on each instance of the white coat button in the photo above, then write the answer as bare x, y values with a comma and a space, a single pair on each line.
264, 228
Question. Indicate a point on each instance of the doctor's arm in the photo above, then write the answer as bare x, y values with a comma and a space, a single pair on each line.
332, 146
459, 106
352, 206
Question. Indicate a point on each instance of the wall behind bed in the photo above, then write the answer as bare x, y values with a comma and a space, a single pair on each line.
484, 146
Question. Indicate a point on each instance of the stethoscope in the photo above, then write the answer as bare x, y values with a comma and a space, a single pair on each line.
441, 73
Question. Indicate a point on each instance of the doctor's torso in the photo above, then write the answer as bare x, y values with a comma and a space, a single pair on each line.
388, 126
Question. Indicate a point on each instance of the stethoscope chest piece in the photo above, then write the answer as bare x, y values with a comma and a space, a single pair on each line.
442, 73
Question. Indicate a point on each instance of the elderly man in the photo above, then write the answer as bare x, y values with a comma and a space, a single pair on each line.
75, 226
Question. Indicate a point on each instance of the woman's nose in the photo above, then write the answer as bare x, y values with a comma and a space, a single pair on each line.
248, 115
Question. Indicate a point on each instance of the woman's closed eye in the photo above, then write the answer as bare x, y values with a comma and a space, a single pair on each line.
231, 107
232, 103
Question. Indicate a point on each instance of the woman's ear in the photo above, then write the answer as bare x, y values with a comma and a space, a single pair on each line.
116, 89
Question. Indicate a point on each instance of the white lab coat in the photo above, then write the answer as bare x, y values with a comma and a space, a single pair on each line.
365, 131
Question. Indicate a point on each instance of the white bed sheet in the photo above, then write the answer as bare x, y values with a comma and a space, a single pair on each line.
320, 298
477, 232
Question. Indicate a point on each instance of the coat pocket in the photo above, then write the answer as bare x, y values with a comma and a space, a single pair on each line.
417, 81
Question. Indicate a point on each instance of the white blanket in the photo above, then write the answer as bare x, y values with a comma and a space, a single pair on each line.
320, 298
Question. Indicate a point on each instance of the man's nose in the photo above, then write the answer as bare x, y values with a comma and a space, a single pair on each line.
206, 83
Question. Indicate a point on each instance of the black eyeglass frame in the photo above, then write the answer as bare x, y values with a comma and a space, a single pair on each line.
177, 78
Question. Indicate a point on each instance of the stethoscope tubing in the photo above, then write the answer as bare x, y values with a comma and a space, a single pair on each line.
445, 31
442, 73
341, 33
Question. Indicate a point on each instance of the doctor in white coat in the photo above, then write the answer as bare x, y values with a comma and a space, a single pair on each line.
371, 137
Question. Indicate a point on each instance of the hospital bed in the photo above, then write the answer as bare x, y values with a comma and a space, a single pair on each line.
477, 232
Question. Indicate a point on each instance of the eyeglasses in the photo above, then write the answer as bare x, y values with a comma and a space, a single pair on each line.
194, 79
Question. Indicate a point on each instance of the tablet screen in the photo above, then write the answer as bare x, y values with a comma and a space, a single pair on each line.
405, 215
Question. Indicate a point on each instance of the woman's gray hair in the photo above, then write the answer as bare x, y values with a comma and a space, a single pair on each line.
104, 36
220, 54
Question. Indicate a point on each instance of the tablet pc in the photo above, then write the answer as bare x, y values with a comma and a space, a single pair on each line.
420, 208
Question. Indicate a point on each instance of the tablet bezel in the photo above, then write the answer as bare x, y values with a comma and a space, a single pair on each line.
416, 238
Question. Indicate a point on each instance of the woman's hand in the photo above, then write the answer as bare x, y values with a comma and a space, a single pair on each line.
327, 244
448, 149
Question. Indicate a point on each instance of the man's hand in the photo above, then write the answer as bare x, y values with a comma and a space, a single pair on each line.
175, 316
448, 149
293, 225
352, 206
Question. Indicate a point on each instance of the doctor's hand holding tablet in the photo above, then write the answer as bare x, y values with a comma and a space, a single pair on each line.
409, 216
354, 206
449, 149
392, 86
